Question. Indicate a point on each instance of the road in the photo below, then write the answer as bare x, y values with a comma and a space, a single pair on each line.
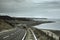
30, 35
16, 34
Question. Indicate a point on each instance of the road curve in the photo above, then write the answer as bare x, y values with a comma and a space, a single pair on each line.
30, 35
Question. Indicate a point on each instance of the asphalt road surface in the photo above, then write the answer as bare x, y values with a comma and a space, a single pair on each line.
16, 34
30, 35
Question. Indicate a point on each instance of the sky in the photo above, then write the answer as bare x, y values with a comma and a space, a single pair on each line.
31, 8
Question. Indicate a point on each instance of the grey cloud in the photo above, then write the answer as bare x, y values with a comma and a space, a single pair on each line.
13, 6
27, 8
19, 6
11, 0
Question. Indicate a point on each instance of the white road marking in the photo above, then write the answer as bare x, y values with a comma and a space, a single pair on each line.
33, 34
5, 37
24, 36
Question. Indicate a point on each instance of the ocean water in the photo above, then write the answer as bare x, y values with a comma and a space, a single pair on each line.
50, 26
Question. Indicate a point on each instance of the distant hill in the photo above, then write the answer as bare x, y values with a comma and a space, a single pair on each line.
6, 17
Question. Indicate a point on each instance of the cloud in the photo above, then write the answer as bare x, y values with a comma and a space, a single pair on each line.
13, 5
10, 6
31, 8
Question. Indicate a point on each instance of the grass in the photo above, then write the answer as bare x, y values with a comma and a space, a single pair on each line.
4, 25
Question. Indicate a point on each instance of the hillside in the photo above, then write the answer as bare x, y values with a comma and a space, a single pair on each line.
4, 25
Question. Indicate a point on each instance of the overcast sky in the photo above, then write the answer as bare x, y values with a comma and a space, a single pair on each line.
32, 8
